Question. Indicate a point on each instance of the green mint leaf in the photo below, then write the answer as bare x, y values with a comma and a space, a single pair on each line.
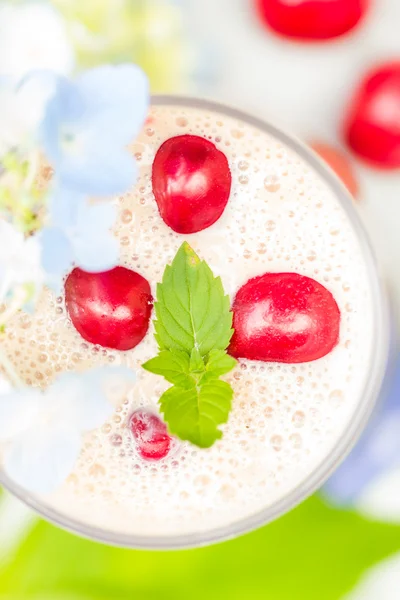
193, 327
195, 414
173, 366
192, 310
219, 363
196, 361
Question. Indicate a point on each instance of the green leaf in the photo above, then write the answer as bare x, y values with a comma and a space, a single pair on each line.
50, 563
194, 414
192, 310
219, 363
196, 362
173, 366
193, 327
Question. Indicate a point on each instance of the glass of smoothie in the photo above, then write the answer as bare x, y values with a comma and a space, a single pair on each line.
311, 334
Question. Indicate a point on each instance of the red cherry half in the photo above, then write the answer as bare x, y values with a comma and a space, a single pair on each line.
150, 434
191, 183
372, 128
111, 309
311, 19
284, 317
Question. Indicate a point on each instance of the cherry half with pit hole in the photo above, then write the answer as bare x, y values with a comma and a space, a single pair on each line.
191, 183
284, 317
111, 309
150, 434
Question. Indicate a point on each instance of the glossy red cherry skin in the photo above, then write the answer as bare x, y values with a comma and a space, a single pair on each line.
191, 183
111, 309
311, 20
372, 127
150, 433
284, 317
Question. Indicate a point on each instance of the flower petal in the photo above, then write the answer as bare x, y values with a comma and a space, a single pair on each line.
32, 95
26, 266
83, 399
41, 459
64, 207
57, 253
11, 241
98, 170
64, 113
82, 407
18, 411
118, 96
376, 452
32, 35
111, 383
97, 255
94, 218
95, 247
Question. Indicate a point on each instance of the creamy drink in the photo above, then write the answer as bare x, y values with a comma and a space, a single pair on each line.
288, 417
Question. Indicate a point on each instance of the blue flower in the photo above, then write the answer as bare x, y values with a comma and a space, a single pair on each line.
79, 234
89, 122
43, 430
376, 453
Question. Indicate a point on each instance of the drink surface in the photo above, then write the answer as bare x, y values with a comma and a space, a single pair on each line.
286, 418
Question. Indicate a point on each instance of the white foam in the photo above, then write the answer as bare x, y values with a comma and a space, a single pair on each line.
285, 418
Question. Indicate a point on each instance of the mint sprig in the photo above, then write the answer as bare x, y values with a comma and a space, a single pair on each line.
193, 328
192, 310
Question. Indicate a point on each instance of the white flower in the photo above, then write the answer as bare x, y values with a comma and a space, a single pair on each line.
33, 36
43, 431
12, 128
381, 581
20, 260
22, 106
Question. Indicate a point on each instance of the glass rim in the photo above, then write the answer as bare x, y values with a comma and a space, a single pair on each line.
377, 369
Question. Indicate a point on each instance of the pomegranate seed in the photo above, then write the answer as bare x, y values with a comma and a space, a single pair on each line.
150, 433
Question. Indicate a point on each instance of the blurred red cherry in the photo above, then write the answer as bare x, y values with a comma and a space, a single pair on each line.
372, 127
311, 19
337, 160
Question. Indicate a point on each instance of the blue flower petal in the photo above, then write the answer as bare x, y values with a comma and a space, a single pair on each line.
84, 406
41, 459
87, 124
17, 410
96, 255
95, 247
119, 96
57, 252
376, 452
34, 92
95, 219
111, 384
64, 117
64, 206
99, 170
84, 398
